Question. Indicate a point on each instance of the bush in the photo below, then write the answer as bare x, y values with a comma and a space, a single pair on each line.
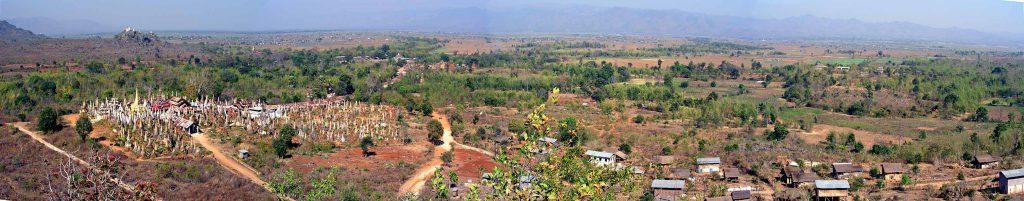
48, 120
638, 119
435, 130
448, 157
779, 133
880, 149
625, 148
365, 144
83, 126
284, 140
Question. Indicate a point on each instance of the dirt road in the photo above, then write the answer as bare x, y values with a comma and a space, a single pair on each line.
416, 182
233, 165
228, 162
35, 136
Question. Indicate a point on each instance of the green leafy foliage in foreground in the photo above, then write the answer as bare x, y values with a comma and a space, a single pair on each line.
563, 173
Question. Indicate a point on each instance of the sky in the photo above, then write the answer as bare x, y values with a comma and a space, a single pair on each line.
996, 16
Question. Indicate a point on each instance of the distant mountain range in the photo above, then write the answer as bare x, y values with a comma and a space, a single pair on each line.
9, 32
52, 27
593, 20
673, 22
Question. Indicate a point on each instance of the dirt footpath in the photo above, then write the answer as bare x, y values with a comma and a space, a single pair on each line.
416, 182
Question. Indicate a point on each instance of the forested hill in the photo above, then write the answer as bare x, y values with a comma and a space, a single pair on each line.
9, 32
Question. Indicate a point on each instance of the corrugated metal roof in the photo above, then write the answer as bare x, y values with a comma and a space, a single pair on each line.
599, 154
1010, 174
668, 184
704, 161
831, 184
548, 140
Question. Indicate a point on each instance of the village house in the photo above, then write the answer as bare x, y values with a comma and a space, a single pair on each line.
600, 157
664, 160
796, 177
892, 171
709, 165
620, 156
667, 189
1011, 181
731, 174
188, 126
846, 170
985, 161
179, 102
740, 195
831, 190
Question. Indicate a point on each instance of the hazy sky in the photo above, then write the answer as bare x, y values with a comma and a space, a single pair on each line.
985, 15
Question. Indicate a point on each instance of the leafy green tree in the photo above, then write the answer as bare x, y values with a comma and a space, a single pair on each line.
365, 144
850, 139
626, 148
857, 147
426, 108
997, 133
981, 114
83, 126
561, 174
569, 132
48, 120
435, 130
440, 186
666, 150
344, 86
856, 183
779, 133
638, 119
284, 140
880, 149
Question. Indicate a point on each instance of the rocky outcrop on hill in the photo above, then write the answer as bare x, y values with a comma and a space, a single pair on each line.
134, 36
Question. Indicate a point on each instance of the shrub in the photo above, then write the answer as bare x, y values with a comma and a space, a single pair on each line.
284, 140
625, 148
365, 144
48, 120
447, 157
779, 133
435, 130
638, 119
83, 126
